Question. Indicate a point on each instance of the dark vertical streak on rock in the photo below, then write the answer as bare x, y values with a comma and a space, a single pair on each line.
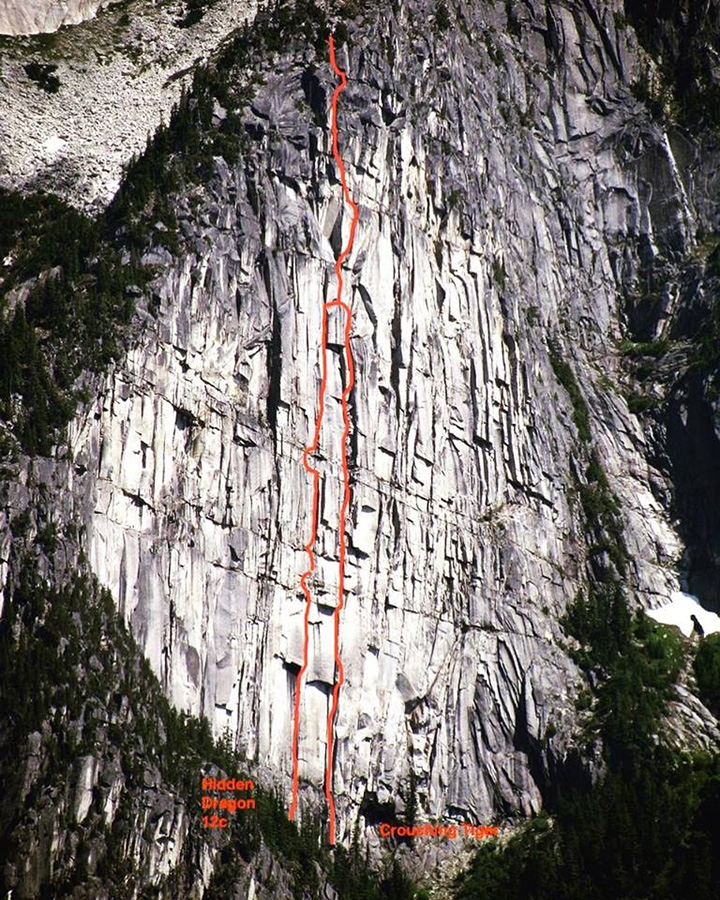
396, 358
274, 356
604, 37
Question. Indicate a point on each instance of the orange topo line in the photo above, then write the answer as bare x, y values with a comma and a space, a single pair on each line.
315, 475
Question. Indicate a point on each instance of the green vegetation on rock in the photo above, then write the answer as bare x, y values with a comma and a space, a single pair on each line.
681, 37
66, 295
44, 75
707, 672
649, 829
74, 686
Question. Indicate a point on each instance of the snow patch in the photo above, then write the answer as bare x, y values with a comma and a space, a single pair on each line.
680, 609
53, 144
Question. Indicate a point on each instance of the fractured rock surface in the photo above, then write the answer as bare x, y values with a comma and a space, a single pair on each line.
504, 183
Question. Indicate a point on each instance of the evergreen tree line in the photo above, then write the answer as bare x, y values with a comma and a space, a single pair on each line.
71, 672
67, 320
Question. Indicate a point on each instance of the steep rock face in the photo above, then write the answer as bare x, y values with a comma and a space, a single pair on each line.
506, 183
43, 16
676, 300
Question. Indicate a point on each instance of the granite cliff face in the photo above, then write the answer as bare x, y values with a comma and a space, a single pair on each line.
512, 192
43, 16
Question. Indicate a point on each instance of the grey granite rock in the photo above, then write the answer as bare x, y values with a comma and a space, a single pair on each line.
505, 183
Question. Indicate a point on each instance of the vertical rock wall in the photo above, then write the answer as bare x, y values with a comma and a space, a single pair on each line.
504, 182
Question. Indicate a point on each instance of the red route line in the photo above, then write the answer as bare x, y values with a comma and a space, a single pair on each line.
315, 475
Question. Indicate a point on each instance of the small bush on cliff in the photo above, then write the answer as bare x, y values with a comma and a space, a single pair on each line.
442, 16
707, 672
43, 74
